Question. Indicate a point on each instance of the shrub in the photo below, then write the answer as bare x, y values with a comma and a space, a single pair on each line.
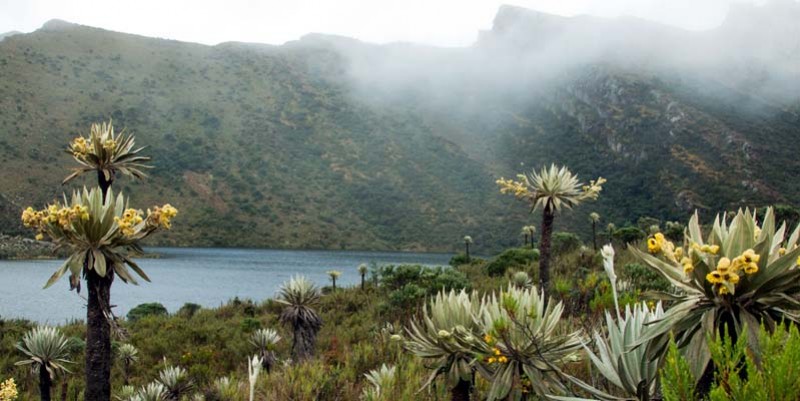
642, 278
514, 257
148, 309
189, 309
629, 234
459, 259
741, 374
564, 242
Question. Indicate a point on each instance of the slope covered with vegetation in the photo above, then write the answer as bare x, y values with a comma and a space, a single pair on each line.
328, 142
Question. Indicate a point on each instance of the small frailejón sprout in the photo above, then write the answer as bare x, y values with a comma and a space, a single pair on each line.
47, 351
552, 190
299, 295
381, 382
176, 382
467, 242
102, 233
107, 153
154, 391
521, 280
265, 340
127, 354
362, 271
594, 217
333, 274
739, 276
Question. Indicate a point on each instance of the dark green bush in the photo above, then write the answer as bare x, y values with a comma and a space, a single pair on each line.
459, 259
629, 234
564, 242
250, 325
147, 309
644, 279
188, 309
514, 257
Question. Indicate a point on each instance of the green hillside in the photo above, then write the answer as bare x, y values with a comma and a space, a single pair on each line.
277, 146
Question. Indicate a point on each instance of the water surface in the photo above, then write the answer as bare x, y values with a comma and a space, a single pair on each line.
208, 276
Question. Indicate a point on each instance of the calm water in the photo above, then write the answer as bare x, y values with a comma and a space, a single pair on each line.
208, 277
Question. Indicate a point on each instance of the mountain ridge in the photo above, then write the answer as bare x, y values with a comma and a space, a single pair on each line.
330, 142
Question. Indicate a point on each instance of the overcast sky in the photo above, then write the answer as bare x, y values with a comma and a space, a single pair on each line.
437, 22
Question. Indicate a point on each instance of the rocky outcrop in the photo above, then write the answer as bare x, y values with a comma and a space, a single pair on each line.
15, 247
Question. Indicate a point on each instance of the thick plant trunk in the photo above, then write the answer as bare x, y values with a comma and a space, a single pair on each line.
125, 373
268, 360
45, 382
526, 239
461, 391
362, 283
104, 183
303, 344
532, 241
98, 338
544, 248
594, 235
466, 249
334, 284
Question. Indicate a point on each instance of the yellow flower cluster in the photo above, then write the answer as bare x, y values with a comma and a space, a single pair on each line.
659, 244
497, 357
110, 145
161, 216
593, 189
79, 146
127, 224
510, 186
709, 249
726, 274
64, 216
8, 390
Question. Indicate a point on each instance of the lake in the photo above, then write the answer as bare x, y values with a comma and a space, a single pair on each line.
205, 276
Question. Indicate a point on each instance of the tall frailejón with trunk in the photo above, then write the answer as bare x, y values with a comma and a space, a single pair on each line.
551, 189
102, 233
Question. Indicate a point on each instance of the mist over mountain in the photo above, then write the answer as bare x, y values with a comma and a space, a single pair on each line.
330, 142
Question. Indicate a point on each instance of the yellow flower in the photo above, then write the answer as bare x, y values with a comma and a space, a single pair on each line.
497, 352
659, 237
488, 338
752, 268
756, 233
653, 246
797, 262
733, 278
502, 359
782, 251
491, 359
31, 218
678, 253
750, 256
714, 277
723, 290
713, 249
724, 265
688, 267
39, 237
